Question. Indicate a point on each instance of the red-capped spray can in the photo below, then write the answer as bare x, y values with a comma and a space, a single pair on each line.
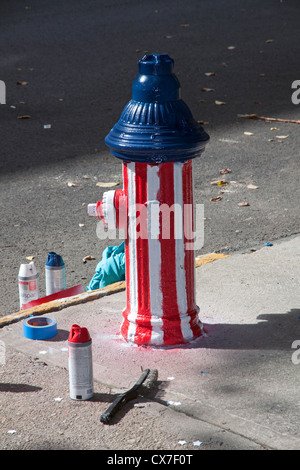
80, 363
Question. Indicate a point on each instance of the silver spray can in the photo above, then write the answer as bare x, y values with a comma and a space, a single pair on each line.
28, 280
54, 273
80, 363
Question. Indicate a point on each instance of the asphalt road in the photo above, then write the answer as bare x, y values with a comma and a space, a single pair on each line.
78, 61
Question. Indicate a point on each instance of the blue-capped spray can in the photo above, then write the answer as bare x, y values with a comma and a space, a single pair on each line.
55, 273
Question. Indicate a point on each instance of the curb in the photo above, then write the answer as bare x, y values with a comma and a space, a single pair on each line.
59, 304
208, 258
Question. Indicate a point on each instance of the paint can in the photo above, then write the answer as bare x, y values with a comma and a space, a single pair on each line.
80, 363
55, 273
28, 280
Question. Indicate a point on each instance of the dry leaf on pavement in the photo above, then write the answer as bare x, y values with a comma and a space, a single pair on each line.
243, 204
107, 185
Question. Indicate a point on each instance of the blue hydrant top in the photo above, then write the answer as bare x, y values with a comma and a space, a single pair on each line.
156, 125
156, 81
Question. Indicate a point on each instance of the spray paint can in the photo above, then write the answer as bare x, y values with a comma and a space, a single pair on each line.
55, 273
80, 363
28, 280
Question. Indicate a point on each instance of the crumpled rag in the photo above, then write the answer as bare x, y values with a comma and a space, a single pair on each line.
110, 269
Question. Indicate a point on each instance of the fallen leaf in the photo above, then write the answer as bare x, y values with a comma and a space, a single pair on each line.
21, 82
220, 102
243, 204
107, 185
30, 258
216, 199
210, 74
261, 74
207, 89
222, 183
25, 116
225, 171
268, 41
215, 181
273, 129
248, 133
88, 258
281, 136
72, 185
252, 186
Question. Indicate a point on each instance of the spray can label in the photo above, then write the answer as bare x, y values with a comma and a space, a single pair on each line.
28, 283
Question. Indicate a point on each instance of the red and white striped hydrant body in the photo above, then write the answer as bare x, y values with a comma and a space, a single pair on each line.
157, 140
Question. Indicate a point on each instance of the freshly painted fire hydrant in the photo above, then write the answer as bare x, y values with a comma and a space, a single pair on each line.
157, 139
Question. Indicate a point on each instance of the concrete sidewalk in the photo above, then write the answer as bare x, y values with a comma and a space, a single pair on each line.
239, 379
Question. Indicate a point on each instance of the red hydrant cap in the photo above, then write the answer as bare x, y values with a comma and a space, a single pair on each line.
79, 335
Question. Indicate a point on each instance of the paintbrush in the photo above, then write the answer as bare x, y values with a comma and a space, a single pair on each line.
141, 388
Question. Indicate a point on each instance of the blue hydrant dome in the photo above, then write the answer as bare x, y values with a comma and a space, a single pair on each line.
156, 125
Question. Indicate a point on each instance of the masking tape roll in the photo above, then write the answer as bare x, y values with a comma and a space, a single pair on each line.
39, 327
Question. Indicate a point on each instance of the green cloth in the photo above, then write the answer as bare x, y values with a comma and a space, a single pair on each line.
110, 269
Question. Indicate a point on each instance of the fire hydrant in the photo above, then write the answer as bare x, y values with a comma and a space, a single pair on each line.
157, 139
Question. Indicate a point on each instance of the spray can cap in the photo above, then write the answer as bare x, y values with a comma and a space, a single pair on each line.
79, 334
27, 270
54, 260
